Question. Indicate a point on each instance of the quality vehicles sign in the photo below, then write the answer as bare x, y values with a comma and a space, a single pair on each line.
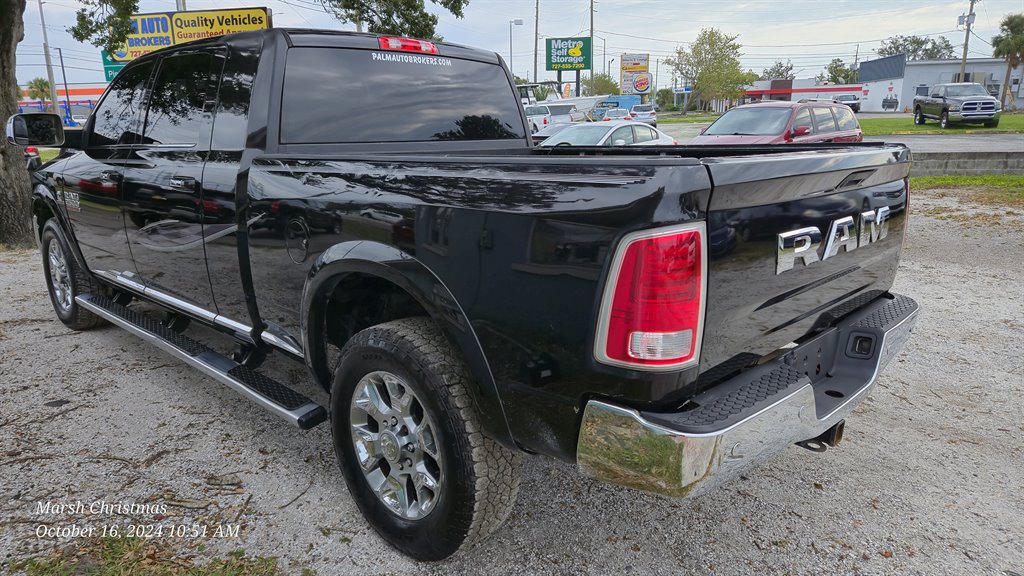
151, 32
569, 54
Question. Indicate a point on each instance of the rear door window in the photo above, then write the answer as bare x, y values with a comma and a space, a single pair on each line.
644, 134
337, 95
116, 118
823, 120
846, 119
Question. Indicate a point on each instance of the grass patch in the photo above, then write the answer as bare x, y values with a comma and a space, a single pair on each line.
124, 556
1001, 190
47, 154
1008, 124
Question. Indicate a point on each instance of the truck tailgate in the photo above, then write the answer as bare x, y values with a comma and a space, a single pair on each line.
761, 297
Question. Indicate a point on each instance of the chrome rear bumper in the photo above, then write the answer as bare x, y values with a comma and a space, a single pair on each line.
759, 412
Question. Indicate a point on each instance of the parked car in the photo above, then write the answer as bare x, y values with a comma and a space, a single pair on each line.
556, 301
32, 160
549, 131
965, 102
538, 117
782, 122
611, 133
851, 100
616, 114
645, 113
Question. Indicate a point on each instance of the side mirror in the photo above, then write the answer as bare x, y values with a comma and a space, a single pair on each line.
620, 142
704, 129
35, 129
801, 131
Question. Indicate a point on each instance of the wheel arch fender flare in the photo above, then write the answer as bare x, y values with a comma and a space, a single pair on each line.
388, 263
45, 198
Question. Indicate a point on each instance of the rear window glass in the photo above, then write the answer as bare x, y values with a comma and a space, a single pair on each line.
536, 111
643, 108
335, 95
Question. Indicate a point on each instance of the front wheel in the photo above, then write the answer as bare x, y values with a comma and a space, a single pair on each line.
65, 280
410, 445
918, 117
944, 120
991, 123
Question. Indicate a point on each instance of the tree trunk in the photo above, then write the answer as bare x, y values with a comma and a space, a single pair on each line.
15, 200
1006, 83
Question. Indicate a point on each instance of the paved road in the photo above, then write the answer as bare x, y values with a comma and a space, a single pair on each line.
957, 142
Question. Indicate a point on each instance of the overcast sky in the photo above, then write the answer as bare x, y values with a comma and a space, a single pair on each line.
810, 33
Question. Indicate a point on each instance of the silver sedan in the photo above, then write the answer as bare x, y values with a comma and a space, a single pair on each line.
612, 133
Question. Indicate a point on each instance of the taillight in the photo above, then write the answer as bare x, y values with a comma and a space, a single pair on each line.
407, 45
652, 311
675, 142
607, 119
545, 120
31, 150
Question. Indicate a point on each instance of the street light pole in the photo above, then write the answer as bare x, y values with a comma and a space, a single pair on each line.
516, 22
49, 64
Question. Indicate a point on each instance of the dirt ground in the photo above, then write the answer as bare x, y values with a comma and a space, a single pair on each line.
929, 480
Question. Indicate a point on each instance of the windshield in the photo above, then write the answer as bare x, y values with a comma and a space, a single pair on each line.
750, 122
644, 108
966, 90
579, 135
536, 111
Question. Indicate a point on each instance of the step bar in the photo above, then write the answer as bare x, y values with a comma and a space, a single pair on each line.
275, 397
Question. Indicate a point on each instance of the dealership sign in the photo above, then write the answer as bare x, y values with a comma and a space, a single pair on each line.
635, 63
568, 53
151, 32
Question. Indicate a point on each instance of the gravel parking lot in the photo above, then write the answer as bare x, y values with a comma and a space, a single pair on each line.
930, 478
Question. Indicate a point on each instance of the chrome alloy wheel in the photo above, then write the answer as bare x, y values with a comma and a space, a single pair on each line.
396, 445
60, 281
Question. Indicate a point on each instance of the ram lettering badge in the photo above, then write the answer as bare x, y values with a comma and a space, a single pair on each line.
844, 234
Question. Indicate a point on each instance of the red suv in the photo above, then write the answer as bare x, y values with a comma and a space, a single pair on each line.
781, 122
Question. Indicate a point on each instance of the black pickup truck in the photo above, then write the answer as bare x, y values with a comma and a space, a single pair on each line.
462, 296
965, 102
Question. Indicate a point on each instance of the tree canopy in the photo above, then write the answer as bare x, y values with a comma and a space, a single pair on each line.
599, 85
837, 72
1009, 45
38, 89
398, 17
917, 47
779, 71
712, 66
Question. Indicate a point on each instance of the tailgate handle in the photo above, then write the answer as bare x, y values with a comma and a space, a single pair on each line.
855, 179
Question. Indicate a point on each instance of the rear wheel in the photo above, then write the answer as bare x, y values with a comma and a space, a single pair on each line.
944, 120
918, 117
410, 445
65, 280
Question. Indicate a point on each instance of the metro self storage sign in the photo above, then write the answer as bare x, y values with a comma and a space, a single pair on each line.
155, 31
568, 53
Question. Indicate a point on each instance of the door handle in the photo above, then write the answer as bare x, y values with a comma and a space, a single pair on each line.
183, 182
110, 176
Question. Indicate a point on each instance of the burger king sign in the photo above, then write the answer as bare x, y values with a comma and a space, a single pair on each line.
637, 83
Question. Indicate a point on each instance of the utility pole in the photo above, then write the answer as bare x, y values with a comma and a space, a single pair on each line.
536, 36
181, 5
967, 39
592, 39
657, 68
67, 93
49, 64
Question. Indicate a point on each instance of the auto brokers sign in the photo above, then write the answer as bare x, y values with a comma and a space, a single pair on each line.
568, 53
151, 32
